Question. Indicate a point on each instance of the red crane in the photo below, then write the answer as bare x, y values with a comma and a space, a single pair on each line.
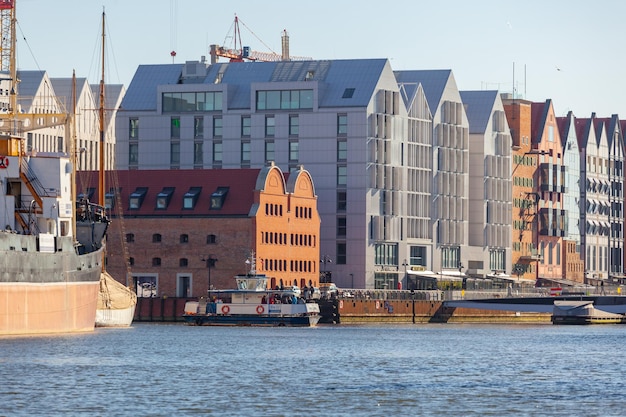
240, 53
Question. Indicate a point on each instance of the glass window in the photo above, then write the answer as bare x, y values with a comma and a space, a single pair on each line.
341, 226
198, 127
418, 255
294, 125
341, 253
284, 99
294, 153
133, 153
342, 200
342, 124
269, 150
133, 129
246, 124
198, 158
342, 175
245, 152
192, 101
270, 126
386, 254
217, 127
217, 151
342, 150
175, 128
175, 153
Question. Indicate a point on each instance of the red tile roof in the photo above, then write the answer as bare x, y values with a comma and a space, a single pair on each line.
240, 197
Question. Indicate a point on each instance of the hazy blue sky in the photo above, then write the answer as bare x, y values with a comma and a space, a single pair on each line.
570, 51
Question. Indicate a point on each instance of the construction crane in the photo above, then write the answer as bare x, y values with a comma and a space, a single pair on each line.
12, 118
240, 53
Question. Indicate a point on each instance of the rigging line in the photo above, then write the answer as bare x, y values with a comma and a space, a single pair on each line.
259, 39
110, 54
28, 46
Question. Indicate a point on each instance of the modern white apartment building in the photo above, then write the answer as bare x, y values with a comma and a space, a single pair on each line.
490, 191
389, 153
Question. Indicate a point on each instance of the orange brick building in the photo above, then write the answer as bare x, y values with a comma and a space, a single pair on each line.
183, 229
524, 253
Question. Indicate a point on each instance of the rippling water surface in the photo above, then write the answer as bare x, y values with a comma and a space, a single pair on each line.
378, 370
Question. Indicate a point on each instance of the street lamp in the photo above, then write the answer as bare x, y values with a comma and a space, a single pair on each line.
210, 263
325, 260
406, 278
413, 303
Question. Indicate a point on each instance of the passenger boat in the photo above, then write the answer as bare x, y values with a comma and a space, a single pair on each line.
252, 303
51, 247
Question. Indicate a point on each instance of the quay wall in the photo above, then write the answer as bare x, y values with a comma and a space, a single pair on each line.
170, 309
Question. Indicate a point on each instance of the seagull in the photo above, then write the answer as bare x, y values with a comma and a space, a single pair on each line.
557, 68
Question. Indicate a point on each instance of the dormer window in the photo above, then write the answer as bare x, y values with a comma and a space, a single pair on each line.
136, 198
218, 197
191, 197
164, 197
309, 75
348, 93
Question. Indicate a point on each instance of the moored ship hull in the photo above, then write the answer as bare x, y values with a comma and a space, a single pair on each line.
44, 293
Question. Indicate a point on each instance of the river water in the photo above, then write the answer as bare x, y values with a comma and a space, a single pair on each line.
338, 370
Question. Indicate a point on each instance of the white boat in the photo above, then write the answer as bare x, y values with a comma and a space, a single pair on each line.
252, 303
116, 302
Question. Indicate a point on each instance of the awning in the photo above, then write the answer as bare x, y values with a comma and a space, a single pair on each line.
443, 276
512, 279
565, 282
425, 274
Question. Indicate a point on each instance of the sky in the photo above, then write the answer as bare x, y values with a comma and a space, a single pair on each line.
569, 51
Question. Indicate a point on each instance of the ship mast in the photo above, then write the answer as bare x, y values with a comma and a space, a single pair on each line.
101, 191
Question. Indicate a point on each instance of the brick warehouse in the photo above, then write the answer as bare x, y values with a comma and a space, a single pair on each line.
178, 229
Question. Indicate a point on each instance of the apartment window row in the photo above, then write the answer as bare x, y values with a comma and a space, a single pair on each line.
182, 262
274, 238
598, 207
520, 224
304, 212
183, 238
280, 265
523, 182
386, 254
598, 228
523, 203
273, 209
192, 101
524, 160
284, 99
598, 186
